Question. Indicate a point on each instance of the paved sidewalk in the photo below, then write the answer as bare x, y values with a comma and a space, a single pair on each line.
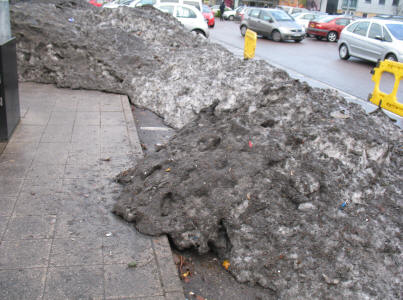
58, 237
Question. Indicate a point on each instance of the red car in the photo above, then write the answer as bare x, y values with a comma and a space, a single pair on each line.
328, 27
208, 15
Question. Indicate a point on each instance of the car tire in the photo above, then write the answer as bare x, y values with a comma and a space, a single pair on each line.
276, 36
343, 52
231, 18
332, 36
391, 57
318, 37
298, 40
199, 32
243, 30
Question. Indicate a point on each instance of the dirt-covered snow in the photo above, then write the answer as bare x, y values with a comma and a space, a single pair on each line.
299, 190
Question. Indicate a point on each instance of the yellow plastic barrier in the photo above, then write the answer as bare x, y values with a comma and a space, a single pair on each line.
387, 101
250, 44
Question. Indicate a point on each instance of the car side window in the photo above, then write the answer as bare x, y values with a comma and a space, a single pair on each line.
352, 27
169, 9
265, 16
342, 22
362, 28
386, 35
254, 13
184, 12
375, 30
146, 2
308, 17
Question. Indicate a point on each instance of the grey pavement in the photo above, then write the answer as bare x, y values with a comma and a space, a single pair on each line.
58, 237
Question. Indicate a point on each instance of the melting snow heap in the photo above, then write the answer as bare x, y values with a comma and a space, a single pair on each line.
299, 190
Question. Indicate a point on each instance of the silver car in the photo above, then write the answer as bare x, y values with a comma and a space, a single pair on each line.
272, 23
373, 40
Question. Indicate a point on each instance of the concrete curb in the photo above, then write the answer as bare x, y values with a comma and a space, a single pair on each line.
170, 282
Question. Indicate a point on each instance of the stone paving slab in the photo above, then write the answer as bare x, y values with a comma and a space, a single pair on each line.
58, 237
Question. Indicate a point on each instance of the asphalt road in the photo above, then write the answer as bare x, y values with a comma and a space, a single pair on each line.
311, 60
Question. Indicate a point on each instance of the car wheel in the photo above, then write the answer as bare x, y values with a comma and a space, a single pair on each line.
276, 36
391, 57
243, 30
298, 40
332, 36
343, 52
199, 32
318, 37
231, 18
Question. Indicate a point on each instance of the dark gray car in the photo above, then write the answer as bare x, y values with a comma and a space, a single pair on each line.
272, 23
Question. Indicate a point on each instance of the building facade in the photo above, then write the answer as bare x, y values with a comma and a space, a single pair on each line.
365, 8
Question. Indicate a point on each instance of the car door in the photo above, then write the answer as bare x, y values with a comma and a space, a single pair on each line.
359, 40
265, 23
376, 44
253, 20
186, 16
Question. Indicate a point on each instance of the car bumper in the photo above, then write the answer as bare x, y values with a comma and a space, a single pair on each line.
293, 36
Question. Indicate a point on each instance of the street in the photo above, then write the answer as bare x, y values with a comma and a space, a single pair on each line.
313, 59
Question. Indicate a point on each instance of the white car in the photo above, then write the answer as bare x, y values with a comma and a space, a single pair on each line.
190, 17
229, 15
117, 3
303, 18
196, 3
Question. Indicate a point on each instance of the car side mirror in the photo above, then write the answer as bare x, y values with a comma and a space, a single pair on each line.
271, 20
379, 38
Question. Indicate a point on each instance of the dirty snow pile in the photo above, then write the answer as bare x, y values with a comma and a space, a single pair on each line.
142, 53
299, 190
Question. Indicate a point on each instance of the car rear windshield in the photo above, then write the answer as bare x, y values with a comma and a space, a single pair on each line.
396, 30
324, 19
280, 15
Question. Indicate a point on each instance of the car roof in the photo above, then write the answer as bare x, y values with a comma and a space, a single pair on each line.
383, 21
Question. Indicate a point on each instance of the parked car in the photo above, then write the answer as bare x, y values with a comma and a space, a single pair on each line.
229, 15
389, 17
272, 23
291, 9
196, 3
117, 3
239, 13
188, 15
216, 10
208, 15
303, 18
328, 27
97, 3
373, 40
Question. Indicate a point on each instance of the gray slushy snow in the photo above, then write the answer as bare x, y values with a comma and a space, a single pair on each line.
299, 190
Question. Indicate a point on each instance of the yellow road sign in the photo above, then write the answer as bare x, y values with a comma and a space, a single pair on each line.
250, 44
388, 101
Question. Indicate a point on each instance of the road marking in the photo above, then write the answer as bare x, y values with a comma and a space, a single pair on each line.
155, 128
